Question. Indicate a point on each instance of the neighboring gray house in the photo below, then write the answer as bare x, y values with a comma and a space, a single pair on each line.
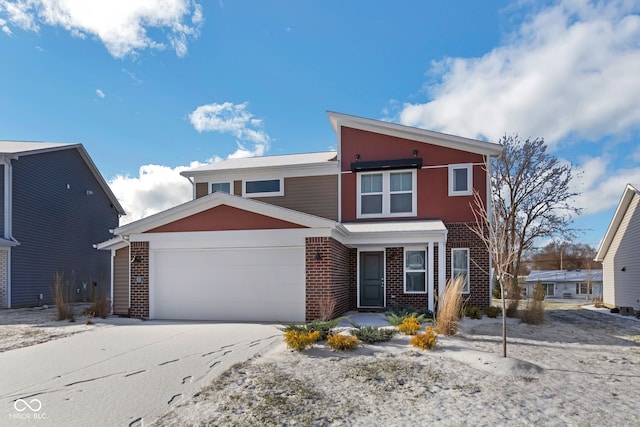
620, 253
54, 205
566, 283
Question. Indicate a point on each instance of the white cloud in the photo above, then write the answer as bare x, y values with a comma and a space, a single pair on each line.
601, 184
5, 29
100, 93
155, 189
120, 24
569, 71
234, 119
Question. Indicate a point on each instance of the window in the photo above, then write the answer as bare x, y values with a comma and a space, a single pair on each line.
583, 289
386, 193
262, 188
549, 289
223, 187
460, 265
415, 271
461, 180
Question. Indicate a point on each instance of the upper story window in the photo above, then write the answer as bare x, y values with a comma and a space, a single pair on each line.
461, 179
223, 187
263, 188
460, 266
386, 194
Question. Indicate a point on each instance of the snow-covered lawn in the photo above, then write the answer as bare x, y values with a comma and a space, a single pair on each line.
580, 367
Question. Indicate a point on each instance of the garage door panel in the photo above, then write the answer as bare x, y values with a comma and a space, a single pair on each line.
239, 284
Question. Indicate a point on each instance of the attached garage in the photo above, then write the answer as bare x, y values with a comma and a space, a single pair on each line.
219, 257
236, 284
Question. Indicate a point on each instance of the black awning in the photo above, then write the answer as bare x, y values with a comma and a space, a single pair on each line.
412, 163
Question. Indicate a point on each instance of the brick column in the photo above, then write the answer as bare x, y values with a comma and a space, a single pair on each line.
329, 275
139, 257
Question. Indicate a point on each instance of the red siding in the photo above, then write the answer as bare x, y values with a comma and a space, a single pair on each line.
225, 218
433, 198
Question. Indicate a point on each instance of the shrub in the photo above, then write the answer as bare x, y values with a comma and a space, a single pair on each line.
371, 335
321, 326
533, 313
342, 342
597, 302
327, 307
396, 317
615, 310
492, 311
473, 312
100, 307
409, 326
62, 297
449, 311
300, 340
426, 341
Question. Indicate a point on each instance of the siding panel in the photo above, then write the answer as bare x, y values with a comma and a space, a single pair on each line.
202, 189
315, 195
59, 212
121, 282
622, 288
2, 201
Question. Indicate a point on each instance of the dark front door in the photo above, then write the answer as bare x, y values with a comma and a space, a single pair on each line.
371, 279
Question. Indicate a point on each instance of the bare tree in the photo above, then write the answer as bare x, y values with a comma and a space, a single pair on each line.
490, 227
531, 194
562, 255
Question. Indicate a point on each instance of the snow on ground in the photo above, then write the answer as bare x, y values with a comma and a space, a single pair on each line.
23, 327
580, 367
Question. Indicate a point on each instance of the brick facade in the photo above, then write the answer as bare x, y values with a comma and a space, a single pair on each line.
460, 236
330, 273
394, 275
4, 279
139, 279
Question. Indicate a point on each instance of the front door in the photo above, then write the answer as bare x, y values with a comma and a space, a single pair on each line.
371, 279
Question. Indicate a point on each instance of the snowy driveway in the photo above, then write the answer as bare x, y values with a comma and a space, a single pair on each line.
124, 375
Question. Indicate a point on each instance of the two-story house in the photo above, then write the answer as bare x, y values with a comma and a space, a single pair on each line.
380, 222
54, 205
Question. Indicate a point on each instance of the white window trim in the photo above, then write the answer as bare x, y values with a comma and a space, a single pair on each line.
269, 194
579, 288
546, 286
467, 286
386, 195
210, 183
425, 271
469, 168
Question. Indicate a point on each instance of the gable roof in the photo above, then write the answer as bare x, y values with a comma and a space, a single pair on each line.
629, 193
286, 160
565, 275
416, 134
17, 149
213, 200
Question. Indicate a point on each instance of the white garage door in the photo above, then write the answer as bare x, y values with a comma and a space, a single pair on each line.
265, 284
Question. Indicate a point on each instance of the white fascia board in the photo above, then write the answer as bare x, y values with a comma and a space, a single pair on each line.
263, 173
216, 199
293, 237
394, 238
629, 192
415, 134
112, 244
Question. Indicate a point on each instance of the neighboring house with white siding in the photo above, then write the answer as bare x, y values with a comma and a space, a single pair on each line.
619, 253
580, 284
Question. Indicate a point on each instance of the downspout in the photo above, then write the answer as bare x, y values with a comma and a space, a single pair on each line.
8, 232
193, 187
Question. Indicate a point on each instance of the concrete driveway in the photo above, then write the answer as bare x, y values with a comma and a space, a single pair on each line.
125, 375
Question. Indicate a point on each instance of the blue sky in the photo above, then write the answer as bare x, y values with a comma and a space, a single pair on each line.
155, 86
